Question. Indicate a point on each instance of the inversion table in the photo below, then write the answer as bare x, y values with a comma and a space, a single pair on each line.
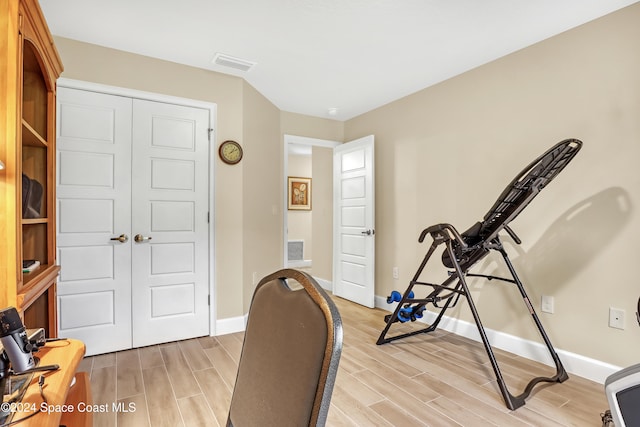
464, 250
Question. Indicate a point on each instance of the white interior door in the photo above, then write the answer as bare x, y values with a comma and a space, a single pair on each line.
354, 221
115, 294
170, 224
94, 207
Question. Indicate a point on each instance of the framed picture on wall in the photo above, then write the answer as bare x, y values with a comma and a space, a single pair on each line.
299, 193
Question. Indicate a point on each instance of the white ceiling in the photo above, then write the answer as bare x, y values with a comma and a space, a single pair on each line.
315, 55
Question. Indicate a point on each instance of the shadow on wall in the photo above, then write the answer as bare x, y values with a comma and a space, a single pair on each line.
568, 246
574, 240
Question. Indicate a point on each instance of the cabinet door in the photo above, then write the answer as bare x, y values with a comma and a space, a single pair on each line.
94, 208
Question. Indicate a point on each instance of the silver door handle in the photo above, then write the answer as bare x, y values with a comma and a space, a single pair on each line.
368, 232
139, 238
123, 238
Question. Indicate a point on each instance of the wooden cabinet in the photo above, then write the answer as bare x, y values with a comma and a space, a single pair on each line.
31, 64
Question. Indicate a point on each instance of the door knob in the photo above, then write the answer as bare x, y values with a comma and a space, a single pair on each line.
123, 238
139, 238
368, 232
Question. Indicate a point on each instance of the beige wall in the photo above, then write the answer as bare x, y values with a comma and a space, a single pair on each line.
322, 213
261, 192
311, 127
444, 155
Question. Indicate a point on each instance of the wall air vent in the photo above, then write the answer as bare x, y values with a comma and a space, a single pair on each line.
232, 62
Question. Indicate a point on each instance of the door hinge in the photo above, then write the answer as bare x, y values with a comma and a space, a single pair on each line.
209, 133
208, 299
208, 217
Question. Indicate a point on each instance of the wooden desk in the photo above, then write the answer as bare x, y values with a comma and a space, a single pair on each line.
65, 405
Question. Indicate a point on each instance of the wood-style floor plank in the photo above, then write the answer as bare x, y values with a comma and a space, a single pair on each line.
197, 359
133, 412
196, 412
226, 366
129, 374
181, 377
216, 392
103, 389
161, 400
436, 379
232, 343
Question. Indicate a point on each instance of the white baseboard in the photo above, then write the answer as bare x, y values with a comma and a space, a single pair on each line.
327, 285
231, 325
302, 263
577, 364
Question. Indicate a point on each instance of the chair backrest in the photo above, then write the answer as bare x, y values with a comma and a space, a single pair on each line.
290, 355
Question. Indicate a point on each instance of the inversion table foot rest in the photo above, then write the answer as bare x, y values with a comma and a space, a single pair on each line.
464, 250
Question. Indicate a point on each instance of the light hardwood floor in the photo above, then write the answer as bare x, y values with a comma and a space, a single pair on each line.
437, 379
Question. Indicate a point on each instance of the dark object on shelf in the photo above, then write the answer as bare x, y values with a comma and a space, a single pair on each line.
31, 265
28, 263
463, 251
32, 192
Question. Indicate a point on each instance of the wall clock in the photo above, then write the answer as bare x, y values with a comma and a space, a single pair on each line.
230, 152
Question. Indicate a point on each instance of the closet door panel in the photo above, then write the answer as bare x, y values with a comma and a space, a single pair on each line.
94, 207
170, 209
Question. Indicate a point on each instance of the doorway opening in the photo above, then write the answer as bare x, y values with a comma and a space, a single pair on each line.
309, 160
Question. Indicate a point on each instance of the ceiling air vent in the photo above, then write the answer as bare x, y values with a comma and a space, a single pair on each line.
232, 62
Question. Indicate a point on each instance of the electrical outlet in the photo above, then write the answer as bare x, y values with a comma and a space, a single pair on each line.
396, 273
616, 318
547, 305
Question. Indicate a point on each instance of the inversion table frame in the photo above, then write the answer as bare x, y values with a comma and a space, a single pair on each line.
463, 251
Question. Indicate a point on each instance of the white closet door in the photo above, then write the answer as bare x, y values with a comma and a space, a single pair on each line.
94, 207
127, 167
170, 280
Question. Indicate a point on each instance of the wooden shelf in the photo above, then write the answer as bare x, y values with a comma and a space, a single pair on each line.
31, 221
27, 110
34, 283
31, 137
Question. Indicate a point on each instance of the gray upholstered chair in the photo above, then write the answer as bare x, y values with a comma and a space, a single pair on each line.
290, 354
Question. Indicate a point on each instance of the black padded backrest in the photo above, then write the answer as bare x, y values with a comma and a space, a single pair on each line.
526, 185
513, 199
289, 357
